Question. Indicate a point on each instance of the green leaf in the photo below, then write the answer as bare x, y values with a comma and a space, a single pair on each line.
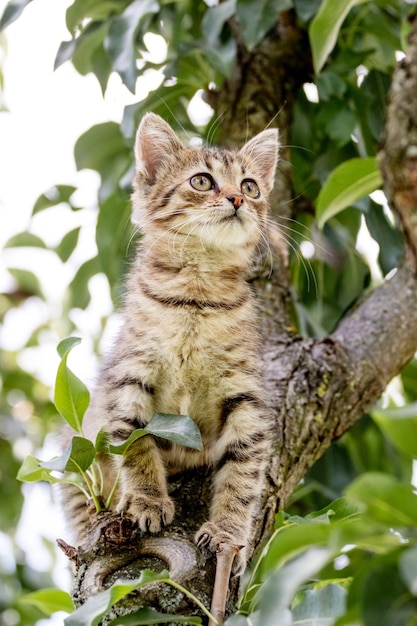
164, 101
347, 183
215, 18
92, 611
71, 395
68, 244
291, 540
50, 601
97, 146
123, 447
340, 509
324, 28
59, 463
385, 499
81, 49
27, 281
82, 455
388, 237
121, 42
320, 606
409, 380
66, 345
179, 429
55, 195
338, 121
12, 11
103, 148
65, 51
408, 569
88, 45
79, 455
257, 17
151, 616
97, 10
79, 294
385, 598
277, 593
113, 234
24, 240
31, 471
330, 85
400, 426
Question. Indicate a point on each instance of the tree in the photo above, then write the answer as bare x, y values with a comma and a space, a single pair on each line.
335, 336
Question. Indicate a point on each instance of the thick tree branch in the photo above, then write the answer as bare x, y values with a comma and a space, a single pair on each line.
318, 389
399, 157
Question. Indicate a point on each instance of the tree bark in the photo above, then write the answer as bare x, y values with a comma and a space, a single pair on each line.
316, 388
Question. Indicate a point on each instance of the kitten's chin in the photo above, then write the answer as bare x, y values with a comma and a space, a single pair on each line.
228, 233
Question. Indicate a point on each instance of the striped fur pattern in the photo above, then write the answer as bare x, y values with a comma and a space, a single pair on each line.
189, 343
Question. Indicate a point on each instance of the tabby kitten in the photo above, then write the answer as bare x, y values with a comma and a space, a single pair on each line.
189, 343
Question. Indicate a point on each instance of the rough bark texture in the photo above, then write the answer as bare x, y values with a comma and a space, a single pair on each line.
399, 158
317, 388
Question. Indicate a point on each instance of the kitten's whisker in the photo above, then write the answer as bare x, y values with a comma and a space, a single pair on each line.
214, 126
294, 245
275, 116
295, 231
135, 233
267, 244
186, 133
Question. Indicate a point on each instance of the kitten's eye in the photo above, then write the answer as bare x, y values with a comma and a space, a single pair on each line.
202, 182
250, 188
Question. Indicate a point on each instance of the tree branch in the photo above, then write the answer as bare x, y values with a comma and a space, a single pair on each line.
319, 388
398, 158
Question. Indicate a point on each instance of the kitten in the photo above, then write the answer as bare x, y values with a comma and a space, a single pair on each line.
189, 343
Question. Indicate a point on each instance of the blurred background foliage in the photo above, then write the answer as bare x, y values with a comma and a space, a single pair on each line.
338, 115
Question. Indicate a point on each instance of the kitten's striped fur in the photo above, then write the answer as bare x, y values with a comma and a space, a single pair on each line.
189, 343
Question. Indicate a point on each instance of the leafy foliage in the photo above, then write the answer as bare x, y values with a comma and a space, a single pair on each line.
81, 456
336, 129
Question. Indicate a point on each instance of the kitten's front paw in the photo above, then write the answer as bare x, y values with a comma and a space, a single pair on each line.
150, 514
211, 536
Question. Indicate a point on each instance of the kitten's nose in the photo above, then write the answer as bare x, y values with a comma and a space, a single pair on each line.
236, 199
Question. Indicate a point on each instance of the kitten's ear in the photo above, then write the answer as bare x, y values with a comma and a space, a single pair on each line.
156, 142
262, 150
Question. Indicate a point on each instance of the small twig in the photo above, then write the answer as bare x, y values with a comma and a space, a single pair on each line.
69, 551
225, 557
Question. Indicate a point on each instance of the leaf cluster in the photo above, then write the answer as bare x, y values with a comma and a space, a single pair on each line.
326, 568
79, 464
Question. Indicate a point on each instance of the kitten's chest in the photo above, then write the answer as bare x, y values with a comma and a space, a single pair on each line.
191, 341
194, 346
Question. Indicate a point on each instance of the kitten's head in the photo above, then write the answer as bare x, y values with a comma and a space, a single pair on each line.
218, 197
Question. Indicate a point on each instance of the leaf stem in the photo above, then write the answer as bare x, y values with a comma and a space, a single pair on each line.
90, 488
192, 597
113, 489
80, 487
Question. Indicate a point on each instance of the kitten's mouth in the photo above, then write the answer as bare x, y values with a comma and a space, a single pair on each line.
231, 218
